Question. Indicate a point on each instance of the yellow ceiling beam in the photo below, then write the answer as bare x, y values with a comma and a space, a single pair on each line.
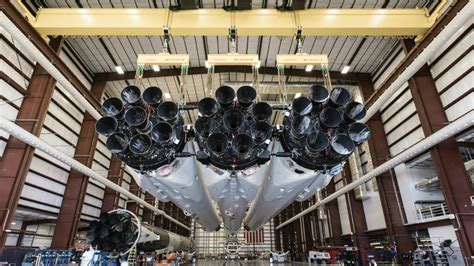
216, 22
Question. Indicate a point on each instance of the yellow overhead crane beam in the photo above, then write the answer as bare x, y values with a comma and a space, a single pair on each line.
216, 22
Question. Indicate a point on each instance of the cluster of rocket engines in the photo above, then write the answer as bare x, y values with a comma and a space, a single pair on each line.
118, 230
232, 156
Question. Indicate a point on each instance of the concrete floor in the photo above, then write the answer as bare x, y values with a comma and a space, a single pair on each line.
246, 263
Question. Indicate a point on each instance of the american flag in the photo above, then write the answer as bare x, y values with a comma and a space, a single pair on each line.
254, 236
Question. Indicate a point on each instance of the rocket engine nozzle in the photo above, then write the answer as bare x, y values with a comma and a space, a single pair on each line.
233, 120
242, 144
316, 142
113, 107
141, 144
329, 118
342, 145
137, 117
354, 111
358, 132
246, 96
262, 111
203, 126
217, 143
300, 126
168, 111
301, 106
106, 125
208, 107
153, 96
162, 133
225, 96
263, 131
318, 94
132, 95
117, 143
339, 97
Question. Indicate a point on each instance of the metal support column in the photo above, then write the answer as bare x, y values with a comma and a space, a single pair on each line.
298, 229
15, 162
358, 221
111, 197
148, 214
334, 217
276, 222
387, 183
455, 182
309, 242
132, 205
75, 192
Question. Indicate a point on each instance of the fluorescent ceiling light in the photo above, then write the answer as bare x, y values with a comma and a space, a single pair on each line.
13, 223
155, 68
309, 68
298, 95
345, 69
119, 70
167, 95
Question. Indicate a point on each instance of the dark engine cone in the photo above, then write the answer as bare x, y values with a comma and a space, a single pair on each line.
106, 125
359, 132
342, 145
225, 96
263, 131
162, 132
131, 95
233, 120
208, 107
318, 95
242, 144
217, 143
339, 97
113, 107
203, 126
262, 111
136, 117
117, 143
354, 111
153, 96
316, 142
301, 106
329, 118
140, 144
300, 126
168, 111
246, 96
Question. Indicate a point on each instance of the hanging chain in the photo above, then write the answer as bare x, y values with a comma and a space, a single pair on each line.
256, 81
139, 75
282, 84
184, 74
326, 77
210, 76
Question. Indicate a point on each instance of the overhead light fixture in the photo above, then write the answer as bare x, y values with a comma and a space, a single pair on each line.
155, 68
345, 69
119, 70
309, 68
298, 95
13, 223
8, 231
167, 95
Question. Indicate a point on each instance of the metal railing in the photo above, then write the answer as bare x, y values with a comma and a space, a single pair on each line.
432, 211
